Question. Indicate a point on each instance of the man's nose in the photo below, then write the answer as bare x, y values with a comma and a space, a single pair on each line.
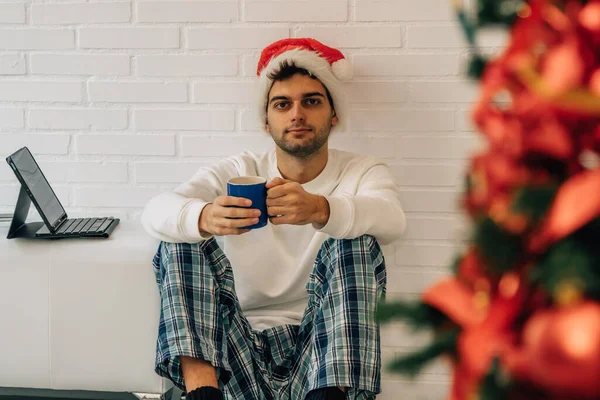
297, 112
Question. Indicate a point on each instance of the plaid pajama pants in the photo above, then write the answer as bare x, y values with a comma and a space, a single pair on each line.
336, 344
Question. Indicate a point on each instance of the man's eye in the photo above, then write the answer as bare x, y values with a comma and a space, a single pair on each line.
313, 102
283, 104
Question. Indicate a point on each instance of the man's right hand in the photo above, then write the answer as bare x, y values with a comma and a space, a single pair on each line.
225, 217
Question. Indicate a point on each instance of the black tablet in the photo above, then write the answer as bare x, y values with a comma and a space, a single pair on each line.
39, 190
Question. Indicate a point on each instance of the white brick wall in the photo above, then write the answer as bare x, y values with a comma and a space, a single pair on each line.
234, 38
186, 65
137, 92
402, 10
187, 11
12, 64
12, 13
11, 118
296, 11
128, 38
80, 13
31, 38
81, 64
121, 99
73, 118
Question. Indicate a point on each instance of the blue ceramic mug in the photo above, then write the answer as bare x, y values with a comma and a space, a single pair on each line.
255, 189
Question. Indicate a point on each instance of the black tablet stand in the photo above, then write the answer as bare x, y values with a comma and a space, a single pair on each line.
18, 227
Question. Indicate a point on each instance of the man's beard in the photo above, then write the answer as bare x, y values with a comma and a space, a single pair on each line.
308, 146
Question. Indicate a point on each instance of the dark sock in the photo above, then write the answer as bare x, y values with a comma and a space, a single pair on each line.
205, 393
328, 393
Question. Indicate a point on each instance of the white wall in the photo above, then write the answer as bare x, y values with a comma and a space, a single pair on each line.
120, 100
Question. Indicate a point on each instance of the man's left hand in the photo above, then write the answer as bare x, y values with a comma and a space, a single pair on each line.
288, 203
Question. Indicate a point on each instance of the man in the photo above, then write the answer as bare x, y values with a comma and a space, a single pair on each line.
299, 321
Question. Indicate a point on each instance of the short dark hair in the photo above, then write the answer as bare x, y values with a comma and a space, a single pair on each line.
287, 70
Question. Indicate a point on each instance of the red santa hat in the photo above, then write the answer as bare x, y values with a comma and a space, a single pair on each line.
326, 63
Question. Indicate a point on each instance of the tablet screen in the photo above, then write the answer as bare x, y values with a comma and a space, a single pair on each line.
38, 185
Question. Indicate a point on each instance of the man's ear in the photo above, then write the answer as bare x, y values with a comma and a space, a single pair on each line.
267, 128
334, 120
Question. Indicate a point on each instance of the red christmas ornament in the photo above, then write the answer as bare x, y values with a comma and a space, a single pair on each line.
486, 315
561, 351
575, 204
595, 82
550, 137
563, 68
455, 300
589, 18
471, 271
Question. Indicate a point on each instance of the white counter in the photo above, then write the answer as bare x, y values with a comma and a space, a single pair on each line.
79, 314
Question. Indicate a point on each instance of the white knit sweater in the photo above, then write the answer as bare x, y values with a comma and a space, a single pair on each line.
271, 265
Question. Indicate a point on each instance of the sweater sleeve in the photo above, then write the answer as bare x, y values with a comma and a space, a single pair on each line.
173, 216
374, 210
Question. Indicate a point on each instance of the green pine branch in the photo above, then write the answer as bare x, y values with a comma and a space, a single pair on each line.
500, 248
412, 364
468, 27
498, 12
572, 263
416, 314
476, 67
488, 13
534, 202
495, 384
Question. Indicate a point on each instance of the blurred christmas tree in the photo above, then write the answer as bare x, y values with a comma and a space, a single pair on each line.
520, 318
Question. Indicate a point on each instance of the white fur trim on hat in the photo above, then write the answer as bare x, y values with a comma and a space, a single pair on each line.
342, 69
317, 66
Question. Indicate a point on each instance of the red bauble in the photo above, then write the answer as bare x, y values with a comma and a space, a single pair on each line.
574, 206
589, 18
564, 67
561, 351
595, 82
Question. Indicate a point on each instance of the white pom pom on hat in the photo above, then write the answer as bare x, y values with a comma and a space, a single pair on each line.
326, 63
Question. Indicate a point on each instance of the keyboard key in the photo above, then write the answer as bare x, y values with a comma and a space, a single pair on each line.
87, 225
89, 228
105, 225
74, 225
97, 224
65, 225
79, 227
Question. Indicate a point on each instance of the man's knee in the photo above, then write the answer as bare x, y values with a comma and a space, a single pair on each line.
363, 250
367, 240
190, 252
339, 258
169, 248
348, 273
175, 258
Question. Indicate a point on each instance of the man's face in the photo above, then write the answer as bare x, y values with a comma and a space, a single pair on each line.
299, 116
